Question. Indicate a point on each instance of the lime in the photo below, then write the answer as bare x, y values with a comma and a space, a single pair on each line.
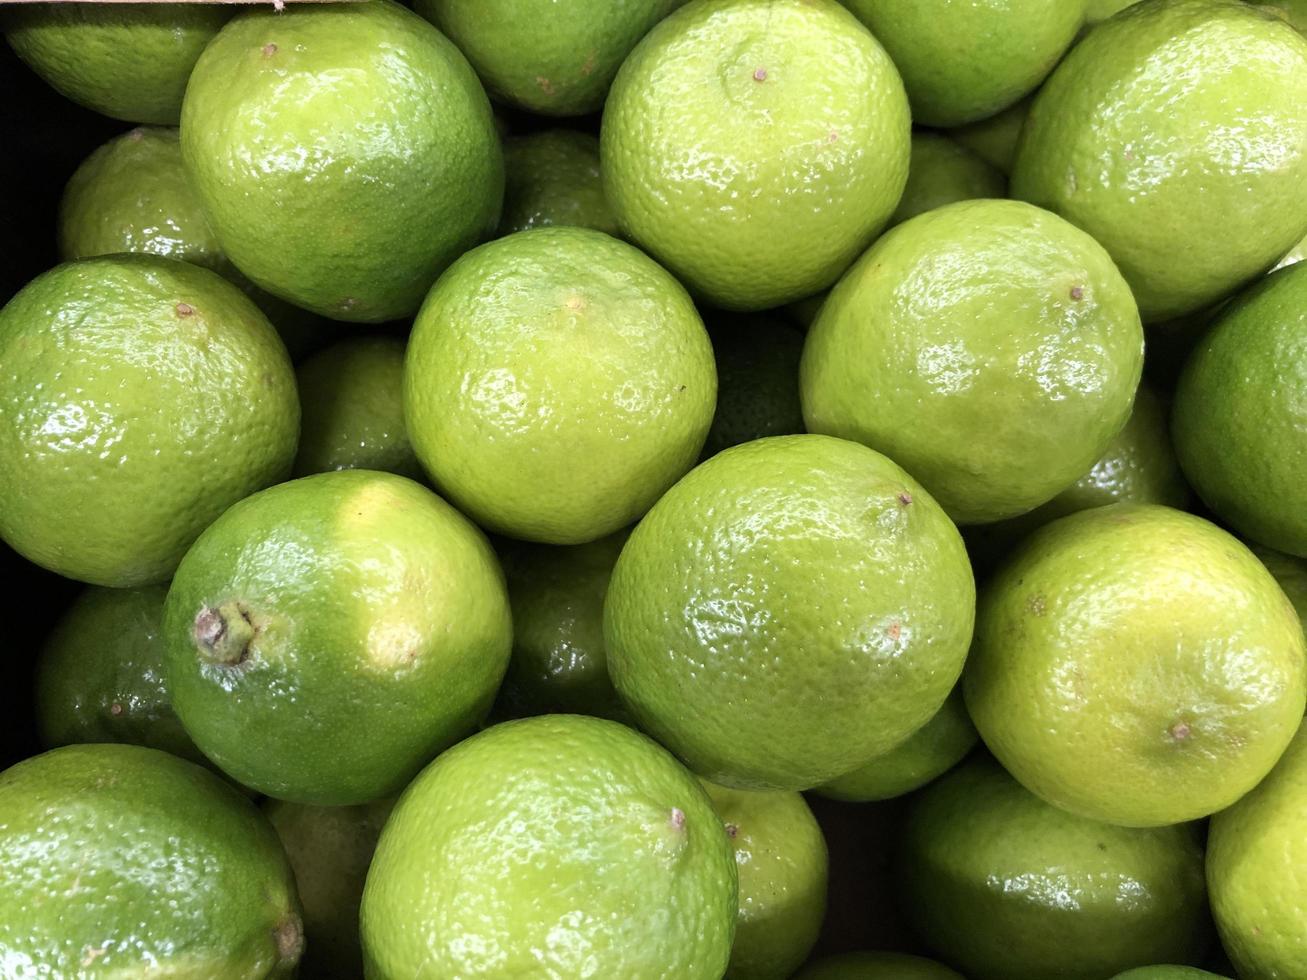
1240, 418
557, 846
757, 381
791, 609
941, 172
926, 754
995, 139
1293, 256
989, 347
557, 382
755, 147
966, 61
353, 403
554, 57
126, 60
780, 856
1175, 135
1167, 972
1291, 573
344, 153
123, 861
802, 312
552, 178
327, 637
330, 848
876, 966
1005, 887
1097, 10
1137, 665
1294, 11
141, 397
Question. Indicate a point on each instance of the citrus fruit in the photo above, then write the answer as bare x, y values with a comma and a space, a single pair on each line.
353, 403
791, 609
554, 57
557, 596
989, 347
780, 857
941, 172
1240, 416
802, 312
1096, 10
1291, 573
755, 147
929, 752
344, 153
327, 637
1255, 861
1137, 665
1005, 887
757, 381
124, 60
1166, 972
1294, 11
124, 861
552, 178
139, 397
556, 846
995, 139
876, 966
1293, 256
329, 849
966, 61
1174, 134
557, 382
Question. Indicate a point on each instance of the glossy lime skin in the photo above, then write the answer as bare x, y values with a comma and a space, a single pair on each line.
1175, 134
558, 846
552, 178
142, 396
1291, 573
557, 382
1293, 256
989, 347
1167, 972
967, 61
1294, 11
755, 147
364, 627
553, 57
995, 139
941, 172
876, 966
1136, 664
789, 610
781, 861
125, 60
124, 861
1240, 415
1005, 887
1256, 861
757, 381
344, 153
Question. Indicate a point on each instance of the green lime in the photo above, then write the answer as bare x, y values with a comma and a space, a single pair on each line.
755, 147
552, 178
554, 57
1256, 861
142, 396
327, 637
1167, 972
330, 848
1175, 134
757, 381
1290, 572
995, 139
989, 347
1293, 256
966, 61
344, 153
559, 846
780, 857
1005, 887
926, 754
802, 312
1137, 665
353, 403
1294, 11
791, 609
1098, 10
941, 172
557, 382
126, 60
124, 861
876, 966
1240, 417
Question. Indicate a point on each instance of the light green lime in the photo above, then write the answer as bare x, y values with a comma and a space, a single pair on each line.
876, 966
1290, 572
1167, 973
557, 846
552, 178
757, 381
1293, 256
1098, 10
942, 172
995, 139
1294, 11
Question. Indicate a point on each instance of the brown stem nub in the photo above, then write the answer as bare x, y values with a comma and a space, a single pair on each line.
223, 634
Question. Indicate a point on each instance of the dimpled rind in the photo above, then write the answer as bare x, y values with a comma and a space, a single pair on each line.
789, 610
1176, 134
989, 347
558, 846
755, 147
124, 861
139, 398
557, 382
552, 178
1136, 664
377, 631
344, 153
942, 172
